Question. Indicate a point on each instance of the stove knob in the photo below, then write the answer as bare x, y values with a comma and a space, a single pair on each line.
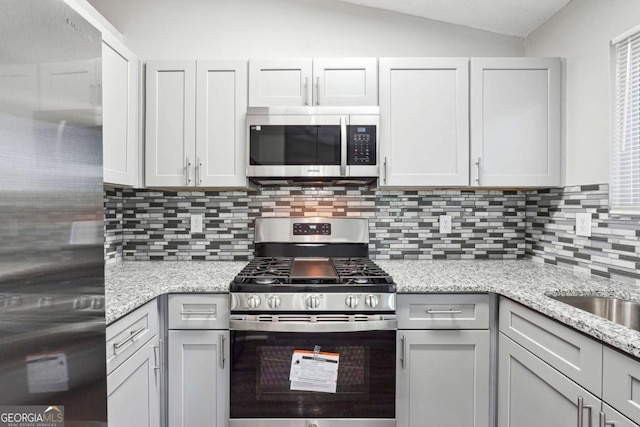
274, 302
253, 301
313, 301
372, 301
352, 301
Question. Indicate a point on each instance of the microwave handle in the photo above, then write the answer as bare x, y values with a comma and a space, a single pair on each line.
343, 146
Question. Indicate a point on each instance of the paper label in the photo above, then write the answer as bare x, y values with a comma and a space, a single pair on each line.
47, 373
314, 371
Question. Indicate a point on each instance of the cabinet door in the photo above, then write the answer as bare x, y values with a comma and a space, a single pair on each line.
134, 390
120, 114
345, 81
424, 114
443, 378
170, 147
69, 85
515, 122
221, 116
613, 418
280, 82
533, 394
621, 383
198, 378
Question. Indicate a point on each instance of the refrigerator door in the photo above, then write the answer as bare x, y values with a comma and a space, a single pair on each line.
52, 328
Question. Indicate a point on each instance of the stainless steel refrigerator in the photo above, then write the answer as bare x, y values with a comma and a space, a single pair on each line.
52, 327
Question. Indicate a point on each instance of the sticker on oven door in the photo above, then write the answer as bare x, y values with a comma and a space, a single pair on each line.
314, 371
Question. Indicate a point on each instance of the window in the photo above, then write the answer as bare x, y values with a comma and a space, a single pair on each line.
624, 187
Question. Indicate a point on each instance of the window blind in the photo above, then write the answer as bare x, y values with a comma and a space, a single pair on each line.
624, 186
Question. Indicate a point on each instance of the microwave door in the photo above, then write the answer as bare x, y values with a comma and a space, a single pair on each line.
294, 146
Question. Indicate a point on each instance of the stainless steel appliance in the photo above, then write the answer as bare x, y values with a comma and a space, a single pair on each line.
52, 326
312, 287
312, 145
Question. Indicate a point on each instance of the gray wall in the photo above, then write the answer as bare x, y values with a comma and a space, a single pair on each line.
581, 33
190, 29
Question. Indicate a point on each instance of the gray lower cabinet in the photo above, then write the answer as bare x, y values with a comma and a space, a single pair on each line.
533, 394
198, 378
444, 364
198, 365
443, 378
609, 417
133, 389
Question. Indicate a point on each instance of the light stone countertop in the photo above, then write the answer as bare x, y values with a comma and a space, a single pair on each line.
131, 284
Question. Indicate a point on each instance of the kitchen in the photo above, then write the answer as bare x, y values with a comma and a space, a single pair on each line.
164, 239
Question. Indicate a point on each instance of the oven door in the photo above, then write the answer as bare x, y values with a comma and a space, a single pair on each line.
262, 348
297, 146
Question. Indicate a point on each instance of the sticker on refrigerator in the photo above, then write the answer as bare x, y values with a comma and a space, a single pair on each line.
47, 373
314, 371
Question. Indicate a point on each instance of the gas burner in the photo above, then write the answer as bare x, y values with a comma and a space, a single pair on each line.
265, 280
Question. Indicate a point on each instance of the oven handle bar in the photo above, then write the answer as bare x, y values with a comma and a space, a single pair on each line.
382, 323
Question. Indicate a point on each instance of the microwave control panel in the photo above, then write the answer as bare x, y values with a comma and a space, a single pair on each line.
361, 145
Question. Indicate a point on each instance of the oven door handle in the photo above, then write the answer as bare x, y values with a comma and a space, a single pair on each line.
387, 324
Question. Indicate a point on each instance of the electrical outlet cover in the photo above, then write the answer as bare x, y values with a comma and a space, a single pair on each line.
445, 224
196, 223
583, 224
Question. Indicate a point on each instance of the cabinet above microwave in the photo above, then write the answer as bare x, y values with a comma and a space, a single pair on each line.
301, 82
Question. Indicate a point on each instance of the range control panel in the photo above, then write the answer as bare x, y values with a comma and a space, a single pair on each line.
361, 145
316, 229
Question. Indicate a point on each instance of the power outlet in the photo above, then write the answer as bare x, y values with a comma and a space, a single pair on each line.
196, 223
445, 224
583, 224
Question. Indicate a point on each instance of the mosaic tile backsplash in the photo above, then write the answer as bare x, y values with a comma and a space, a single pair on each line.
404, 224
613, 249
143, 224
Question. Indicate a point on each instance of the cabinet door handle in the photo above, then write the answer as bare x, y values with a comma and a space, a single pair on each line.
403, 351
188, 167
130, 338
452, 311
198, 171
306, 91
222, 359
384, 175
581, 408
603, 421
156, 355
477, 168
317, 90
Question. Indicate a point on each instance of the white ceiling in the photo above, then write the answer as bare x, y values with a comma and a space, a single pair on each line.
510, 17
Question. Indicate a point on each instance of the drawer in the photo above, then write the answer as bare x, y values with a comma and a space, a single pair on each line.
443, 311
199, 311
621, 383
575, 355
127, 335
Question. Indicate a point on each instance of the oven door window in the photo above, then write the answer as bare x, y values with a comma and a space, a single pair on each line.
261, 362
294, 145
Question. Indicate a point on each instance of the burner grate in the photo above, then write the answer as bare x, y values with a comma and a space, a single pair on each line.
359, 271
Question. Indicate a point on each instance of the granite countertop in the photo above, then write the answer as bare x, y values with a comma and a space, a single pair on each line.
131, 284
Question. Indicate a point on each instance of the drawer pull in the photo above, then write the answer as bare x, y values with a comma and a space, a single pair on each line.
130, 338
604, 422
198, 312
452, 311
581, 408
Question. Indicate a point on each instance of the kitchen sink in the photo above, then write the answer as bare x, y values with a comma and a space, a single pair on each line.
622, 312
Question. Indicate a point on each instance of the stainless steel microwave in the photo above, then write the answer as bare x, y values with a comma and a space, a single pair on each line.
310, 143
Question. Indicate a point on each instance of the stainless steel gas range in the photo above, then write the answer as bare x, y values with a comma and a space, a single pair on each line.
313, 328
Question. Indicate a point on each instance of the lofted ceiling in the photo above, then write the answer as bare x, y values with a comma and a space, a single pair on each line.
510, 17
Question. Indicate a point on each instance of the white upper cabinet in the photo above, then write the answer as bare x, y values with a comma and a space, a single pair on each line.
345, 81
515, 122
120, 113
220, 123
308, 82
183, 150
171, 123
424, 110
280, 82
